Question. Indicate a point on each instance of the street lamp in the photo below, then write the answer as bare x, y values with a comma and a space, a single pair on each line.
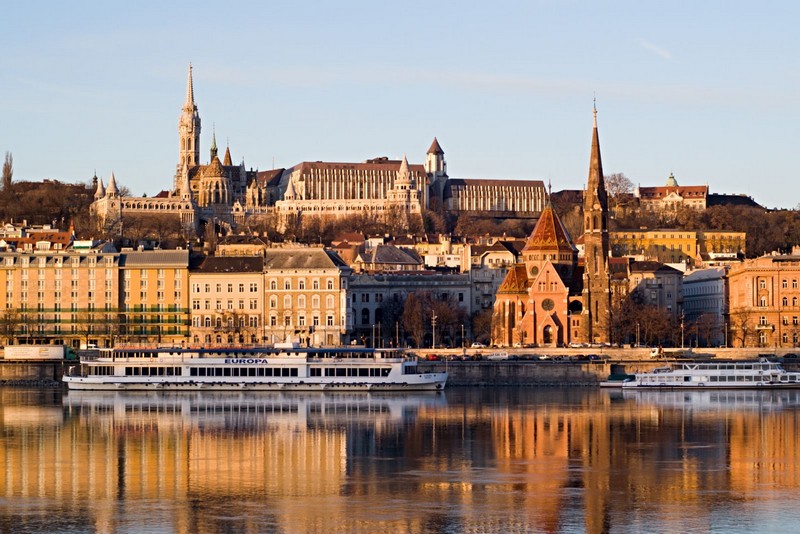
637, 335
681, 331
433, 331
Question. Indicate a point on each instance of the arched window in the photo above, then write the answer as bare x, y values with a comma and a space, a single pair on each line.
208, 322
330, 284
301, 301
785, 301
794, 301
365, 316
315, 301
329, 302
287, 301
273, 285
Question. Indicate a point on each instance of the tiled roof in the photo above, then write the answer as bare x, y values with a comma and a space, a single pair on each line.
477, 182
301, 258
549, 233
231, 264
516, 281
154, 258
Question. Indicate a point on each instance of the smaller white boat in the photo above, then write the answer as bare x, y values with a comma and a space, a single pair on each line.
761, 374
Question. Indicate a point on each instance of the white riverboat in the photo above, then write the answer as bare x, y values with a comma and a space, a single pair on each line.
282, 368
761, 374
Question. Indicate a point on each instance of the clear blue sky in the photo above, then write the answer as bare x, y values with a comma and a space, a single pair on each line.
707, 90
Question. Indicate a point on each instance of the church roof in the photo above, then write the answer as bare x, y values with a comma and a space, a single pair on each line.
435, 148
302, 258
549, 233
214, 168
112, 185
227, 160
101, 191
516, 280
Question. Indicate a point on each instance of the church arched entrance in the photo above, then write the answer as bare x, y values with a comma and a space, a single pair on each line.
547, 335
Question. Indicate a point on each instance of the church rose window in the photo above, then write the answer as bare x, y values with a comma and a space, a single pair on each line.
548, 304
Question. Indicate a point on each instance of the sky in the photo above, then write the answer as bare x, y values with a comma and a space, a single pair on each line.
709, 91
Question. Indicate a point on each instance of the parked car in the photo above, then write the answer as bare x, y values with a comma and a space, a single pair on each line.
477, 345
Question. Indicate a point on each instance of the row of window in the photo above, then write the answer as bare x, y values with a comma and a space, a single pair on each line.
301, 320
762, 283
330, 301
253, 304
230, 287
208, 321
243, 371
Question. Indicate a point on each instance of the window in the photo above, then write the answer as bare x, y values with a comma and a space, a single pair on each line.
287, 285
329, 321
784, 283
301, 284
794, 283
301, 320
365, 297
794, 320
273, 285
315, 320
218, 288
196, 304
794, 301
230, 288
762, 320
253, 304
273, 302
241, 288
207, 288
273, 321
315, 284
301, 301
762, 301
785, 301
253, 321
287, 301
762, 284
287, 321
329, 302
253, 287
330, 284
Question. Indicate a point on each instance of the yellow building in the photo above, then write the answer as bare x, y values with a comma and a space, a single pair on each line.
61, 296
694, 248
154, 297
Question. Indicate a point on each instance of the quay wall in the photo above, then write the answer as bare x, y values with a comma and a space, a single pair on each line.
31, 373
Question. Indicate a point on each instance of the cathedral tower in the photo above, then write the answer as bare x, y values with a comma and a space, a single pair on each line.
189, 129
596, 276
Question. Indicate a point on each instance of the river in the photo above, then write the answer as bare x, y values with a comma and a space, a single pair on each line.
467, 460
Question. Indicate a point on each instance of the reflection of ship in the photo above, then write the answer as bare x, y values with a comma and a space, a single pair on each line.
214, 409
718, 400
283, 368
761, 374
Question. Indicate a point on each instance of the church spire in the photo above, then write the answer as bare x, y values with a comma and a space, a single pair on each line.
189, 128
189, 104
111, 190
213, 143
101, 191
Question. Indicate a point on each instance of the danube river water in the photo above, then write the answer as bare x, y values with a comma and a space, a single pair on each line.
467, 460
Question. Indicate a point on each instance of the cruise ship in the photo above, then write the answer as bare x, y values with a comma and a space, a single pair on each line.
718, 375
280, 368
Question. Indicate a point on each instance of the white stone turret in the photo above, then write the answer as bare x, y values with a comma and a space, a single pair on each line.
111, 190
101, 191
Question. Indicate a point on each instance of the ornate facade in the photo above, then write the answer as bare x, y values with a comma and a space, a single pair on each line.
227, 193
671, 196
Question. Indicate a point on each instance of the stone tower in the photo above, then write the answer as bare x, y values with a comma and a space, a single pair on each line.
436, 169
596, 277
189, 130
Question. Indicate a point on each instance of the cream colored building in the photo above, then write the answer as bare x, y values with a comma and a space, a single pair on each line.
764, 308
306, 290
669, 245
227, 300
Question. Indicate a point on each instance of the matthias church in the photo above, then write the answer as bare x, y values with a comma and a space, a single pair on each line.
228, 193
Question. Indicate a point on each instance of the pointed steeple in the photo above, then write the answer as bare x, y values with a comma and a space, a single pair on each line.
112, 190
403, 173
213, 143
101, 191
435, 148
596, 277
189, 104
289, 194
227, 159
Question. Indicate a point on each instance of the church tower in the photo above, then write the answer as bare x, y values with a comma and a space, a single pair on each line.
436, 169
189, 129
596, 277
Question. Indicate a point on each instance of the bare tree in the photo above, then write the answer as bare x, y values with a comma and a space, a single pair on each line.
8, 171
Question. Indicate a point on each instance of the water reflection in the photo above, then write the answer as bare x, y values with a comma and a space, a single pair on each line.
484, 460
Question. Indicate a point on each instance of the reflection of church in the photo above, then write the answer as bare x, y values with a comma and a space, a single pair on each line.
548, 299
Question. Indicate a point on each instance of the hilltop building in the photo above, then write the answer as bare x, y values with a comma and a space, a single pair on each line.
224, 193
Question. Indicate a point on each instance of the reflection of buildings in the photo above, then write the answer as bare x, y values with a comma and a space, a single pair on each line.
503, 460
